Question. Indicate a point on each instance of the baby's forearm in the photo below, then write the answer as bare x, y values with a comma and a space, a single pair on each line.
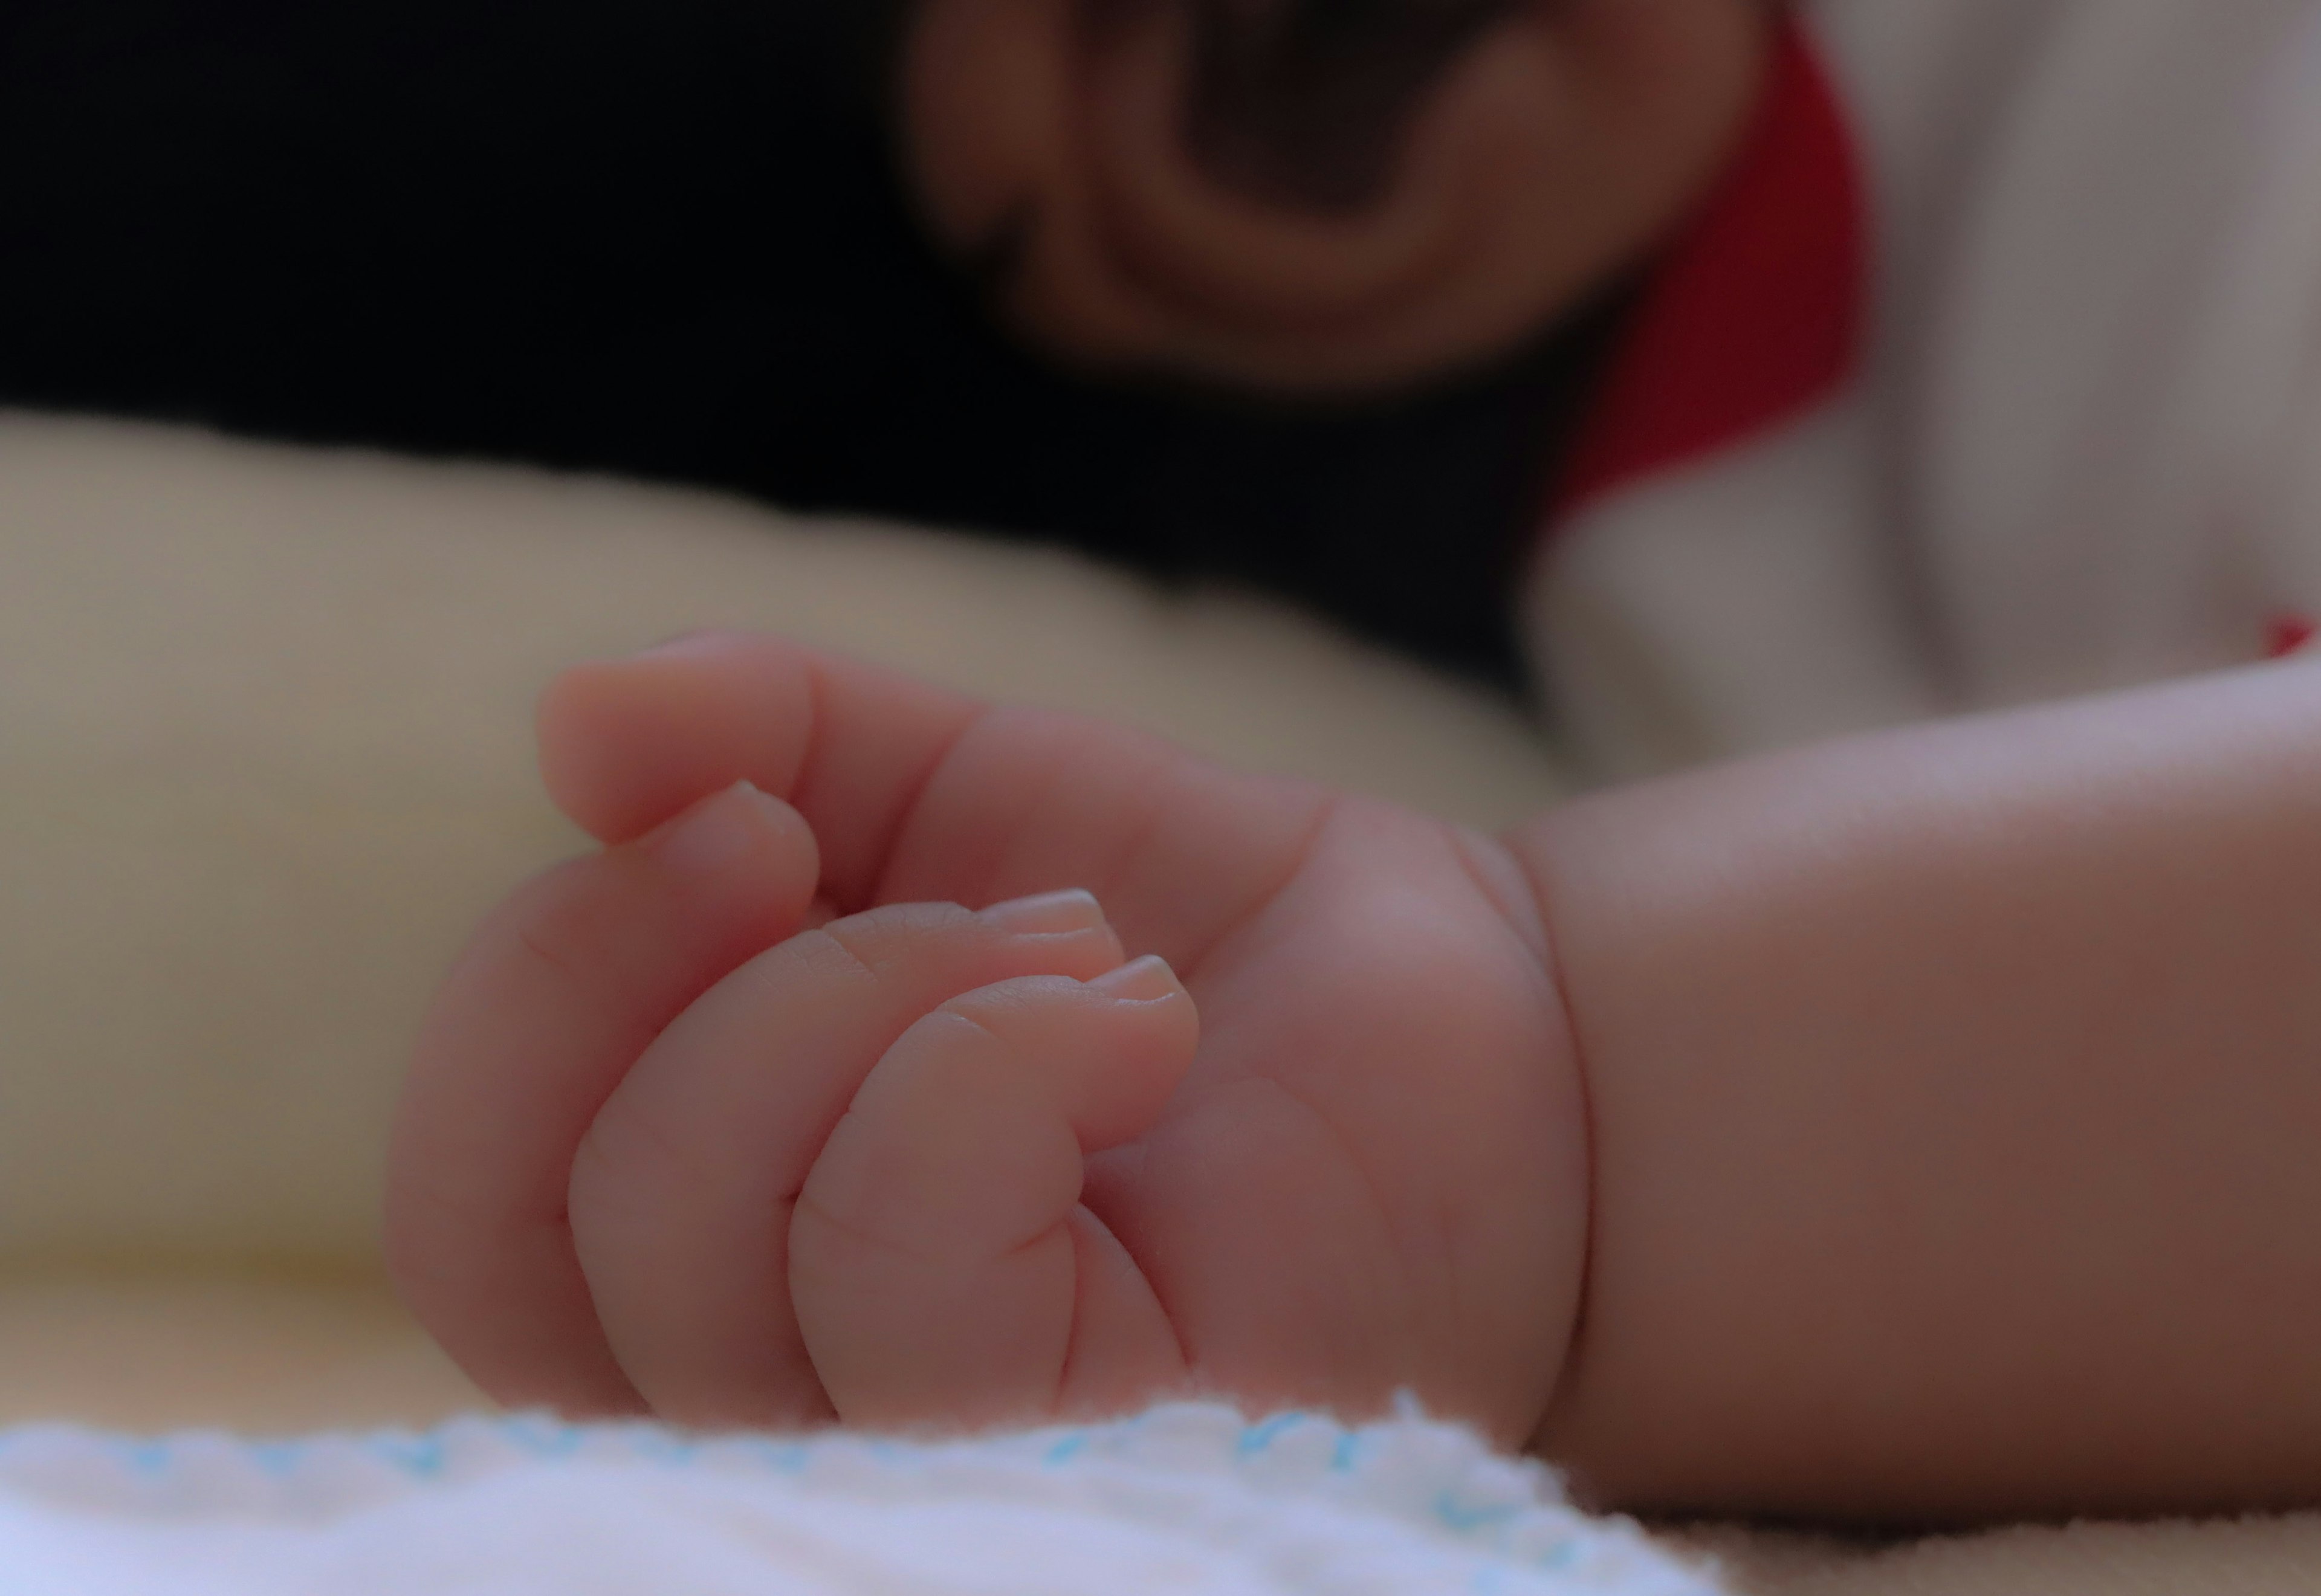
1956, 1105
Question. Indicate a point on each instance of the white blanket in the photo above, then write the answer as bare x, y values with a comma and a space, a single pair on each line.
1188, 1499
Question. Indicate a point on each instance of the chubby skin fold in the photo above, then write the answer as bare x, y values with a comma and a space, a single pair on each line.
667, 1149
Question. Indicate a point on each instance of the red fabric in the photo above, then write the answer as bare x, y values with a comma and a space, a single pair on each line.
2290, 634
1756, 312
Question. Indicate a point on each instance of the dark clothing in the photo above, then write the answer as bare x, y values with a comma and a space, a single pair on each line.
663, 238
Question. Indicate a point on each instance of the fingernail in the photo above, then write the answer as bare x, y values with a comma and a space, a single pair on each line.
715, 834
1140, 981
1049, 914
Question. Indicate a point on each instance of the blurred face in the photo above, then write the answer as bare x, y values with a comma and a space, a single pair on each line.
1314, 196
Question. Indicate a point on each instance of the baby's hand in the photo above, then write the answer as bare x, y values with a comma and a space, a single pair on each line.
850, 1182
667, 1149
941, 1260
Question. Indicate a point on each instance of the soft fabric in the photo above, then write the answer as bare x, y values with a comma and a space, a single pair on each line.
1190, 1499
1986, 376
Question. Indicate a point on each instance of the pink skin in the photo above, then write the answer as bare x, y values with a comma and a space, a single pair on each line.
1945, 1152
666, 1148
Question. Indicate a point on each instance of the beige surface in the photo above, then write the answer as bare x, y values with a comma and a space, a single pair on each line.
275, 1355
263, 758
2259, 1557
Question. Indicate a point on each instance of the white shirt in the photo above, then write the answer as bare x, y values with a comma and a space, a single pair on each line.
2057, 267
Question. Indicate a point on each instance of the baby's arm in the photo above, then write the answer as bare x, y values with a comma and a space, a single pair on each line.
1929, 1137
1956, 1102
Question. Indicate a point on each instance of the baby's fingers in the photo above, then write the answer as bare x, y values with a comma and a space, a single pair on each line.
680, 1193
941, 1262
557, 994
